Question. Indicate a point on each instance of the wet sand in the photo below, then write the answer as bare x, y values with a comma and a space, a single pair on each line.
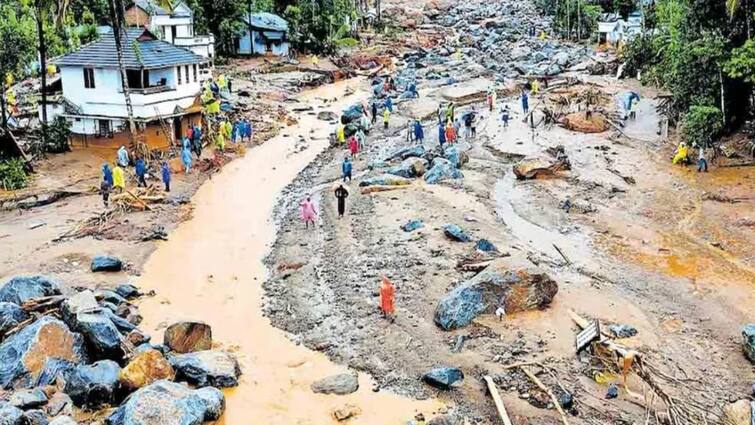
211, 270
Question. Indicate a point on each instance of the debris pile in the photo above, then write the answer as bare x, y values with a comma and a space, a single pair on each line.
84, 350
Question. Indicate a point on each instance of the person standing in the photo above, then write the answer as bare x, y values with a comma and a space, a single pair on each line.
307, 212
186, 159
441, 114
141, 171
197, 140
633, 109
682, 152
123, 157
450, 133
346, 167
387, 299
702, 161
525, 103
119, 180
505, 116
419, 133
374, 113
389, 104
451, 112
105, 188
166, 176
353, 146
535, 86
107, 174
341, 133
341, 194
386, 118
441, 136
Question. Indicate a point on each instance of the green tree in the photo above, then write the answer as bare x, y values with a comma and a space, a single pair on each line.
741, 64
16, 50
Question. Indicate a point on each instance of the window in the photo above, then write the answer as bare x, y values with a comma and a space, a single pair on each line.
195, 73
88, 78
179, 74
187, 74
103, 128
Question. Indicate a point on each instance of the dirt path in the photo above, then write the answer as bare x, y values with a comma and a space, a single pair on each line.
211, 269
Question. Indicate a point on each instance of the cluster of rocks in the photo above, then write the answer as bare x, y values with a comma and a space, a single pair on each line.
61, 353
416, 161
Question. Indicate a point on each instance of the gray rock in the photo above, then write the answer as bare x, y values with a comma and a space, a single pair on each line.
101, 334
55, 370
63, 420
412, 151
107, 295
341, 384
748, 341
94, 386
409, 168
561, 58
496, 286
207, 368
10, 415
10, 316
442, 170
168, 403
35, 417
106, 263
127, 291
28, 399
456, 156
23, 355
186, 337
443, 377
444, 420
80, 302
23, 288
456, 233
59, 404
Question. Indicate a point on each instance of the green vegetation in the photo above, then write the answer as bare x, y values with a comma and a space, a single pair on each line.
701, 125
12, 174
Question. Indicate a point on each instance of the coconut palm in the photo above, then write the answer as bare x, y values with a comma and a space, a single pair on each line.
44, 10
117, 17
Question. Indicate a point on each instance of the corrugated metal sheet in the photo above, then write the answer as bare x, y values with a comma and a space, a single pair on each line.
267, 21
152, 53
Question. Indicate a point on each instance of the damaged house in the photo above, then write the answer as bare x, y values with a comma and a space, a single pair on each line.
173, 23
264, 34
163, 80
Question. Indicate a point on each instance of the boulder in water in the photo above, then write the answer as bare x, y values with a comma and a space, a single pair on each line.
186, 337
207, 368
23, 288
169, 403
532, 167
145, 368
10, 316
106, 263
443, 377
94, 386
341, 384
442, 170
24, 354
496, 286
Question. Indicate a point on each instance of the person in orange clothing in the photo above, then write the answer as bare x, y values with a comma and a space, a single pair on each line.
387, 297
450, 133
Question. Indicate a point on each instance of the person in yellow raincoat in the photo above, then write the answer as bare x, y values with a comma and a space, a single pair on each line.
542, 35
457, 55
341, 134
315, 61
119, 180
222, 82
535, 86
681, 153
220, 140
386, 118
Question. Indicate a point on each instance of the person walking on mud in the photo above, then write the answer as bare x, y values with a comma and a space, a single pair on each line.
346, 169
419, 133
441, 136
341, 195
525, 103
702, 161
166, 176
505, 116
105, 188
386, 118
141, 170
374, 113
387, 299
307, 212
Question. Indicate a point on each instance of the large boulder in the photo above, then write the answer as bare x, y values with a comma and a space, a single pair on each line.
748, 341
127, 291
63, 420
341, 384
59, 404
101, 334
36, 417
409, 168
23, 288
169, 403
145, 368
442, 170
10, 316
106, 263
385, 180
28, 399
81, 302
456, 156
11, 415
186, 337
94, 386
443, 377
23, 355
55, 370
532, 167
411, 151
496, 286
207, 368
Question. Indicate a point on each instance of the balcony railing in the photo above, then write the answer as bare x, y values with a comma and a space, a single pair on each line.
151, 90
197, 40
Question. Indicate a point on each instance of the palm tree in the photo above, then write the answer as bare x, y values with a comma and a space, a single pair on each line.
117, 15
42, 8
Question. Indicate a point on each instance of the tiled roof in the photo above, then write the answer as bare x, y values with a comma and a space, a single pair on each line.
152, 53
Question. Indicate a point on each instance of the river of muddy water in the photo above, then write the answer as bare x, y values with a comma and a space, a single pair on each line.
212, 270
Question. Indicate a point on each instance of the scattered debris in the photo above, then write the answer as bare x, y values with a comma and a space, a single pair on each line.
443, 378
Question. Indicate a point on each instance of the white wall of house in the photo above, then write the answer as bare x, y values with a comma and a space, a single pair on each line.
106, 100
162, 24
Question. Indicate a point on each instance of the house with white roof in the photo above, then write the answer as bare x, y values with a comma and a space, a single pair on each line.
163, 80
264, 33
173, 23
614, 30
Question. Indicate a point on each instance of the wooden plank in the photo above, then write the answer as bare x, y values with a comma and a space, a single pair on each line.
547, 391
497, 400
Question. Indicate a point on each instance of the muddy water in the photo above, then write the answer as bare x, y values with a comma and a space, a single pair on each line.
211, 270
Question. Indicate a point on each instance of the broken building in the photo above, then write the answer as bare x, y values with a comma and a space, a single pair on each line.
265, 33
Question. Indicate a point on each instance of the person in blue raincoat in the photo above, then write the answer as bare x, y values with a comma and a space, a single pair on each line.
441, 135
185, 143
186, 159
141, 170
107, 174
123, 157
166, 176
525, 103
197, 142
419, 133
389, 104
346, 168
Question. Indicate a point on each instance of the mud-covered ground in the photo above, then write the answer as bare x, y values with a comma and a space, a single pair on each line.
650, 252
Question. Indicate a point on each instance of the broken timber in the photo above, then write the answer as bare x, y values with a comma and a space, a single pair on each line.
497, 400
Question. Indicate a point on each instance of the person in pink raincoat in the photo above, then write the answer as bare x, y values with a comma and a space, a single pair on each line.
307, 212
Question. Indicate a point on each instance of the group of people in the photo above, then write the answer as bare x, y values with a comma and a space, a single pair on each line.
682, 156
114, 179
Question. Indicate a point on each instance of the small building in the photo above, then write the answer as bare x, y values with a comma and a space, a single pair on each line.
163, 80
174, 24
614, 30
265, 33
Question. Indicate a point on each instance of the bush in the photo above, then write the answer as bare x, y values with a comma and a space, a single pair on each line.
57, 141
12, 174
701, 125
